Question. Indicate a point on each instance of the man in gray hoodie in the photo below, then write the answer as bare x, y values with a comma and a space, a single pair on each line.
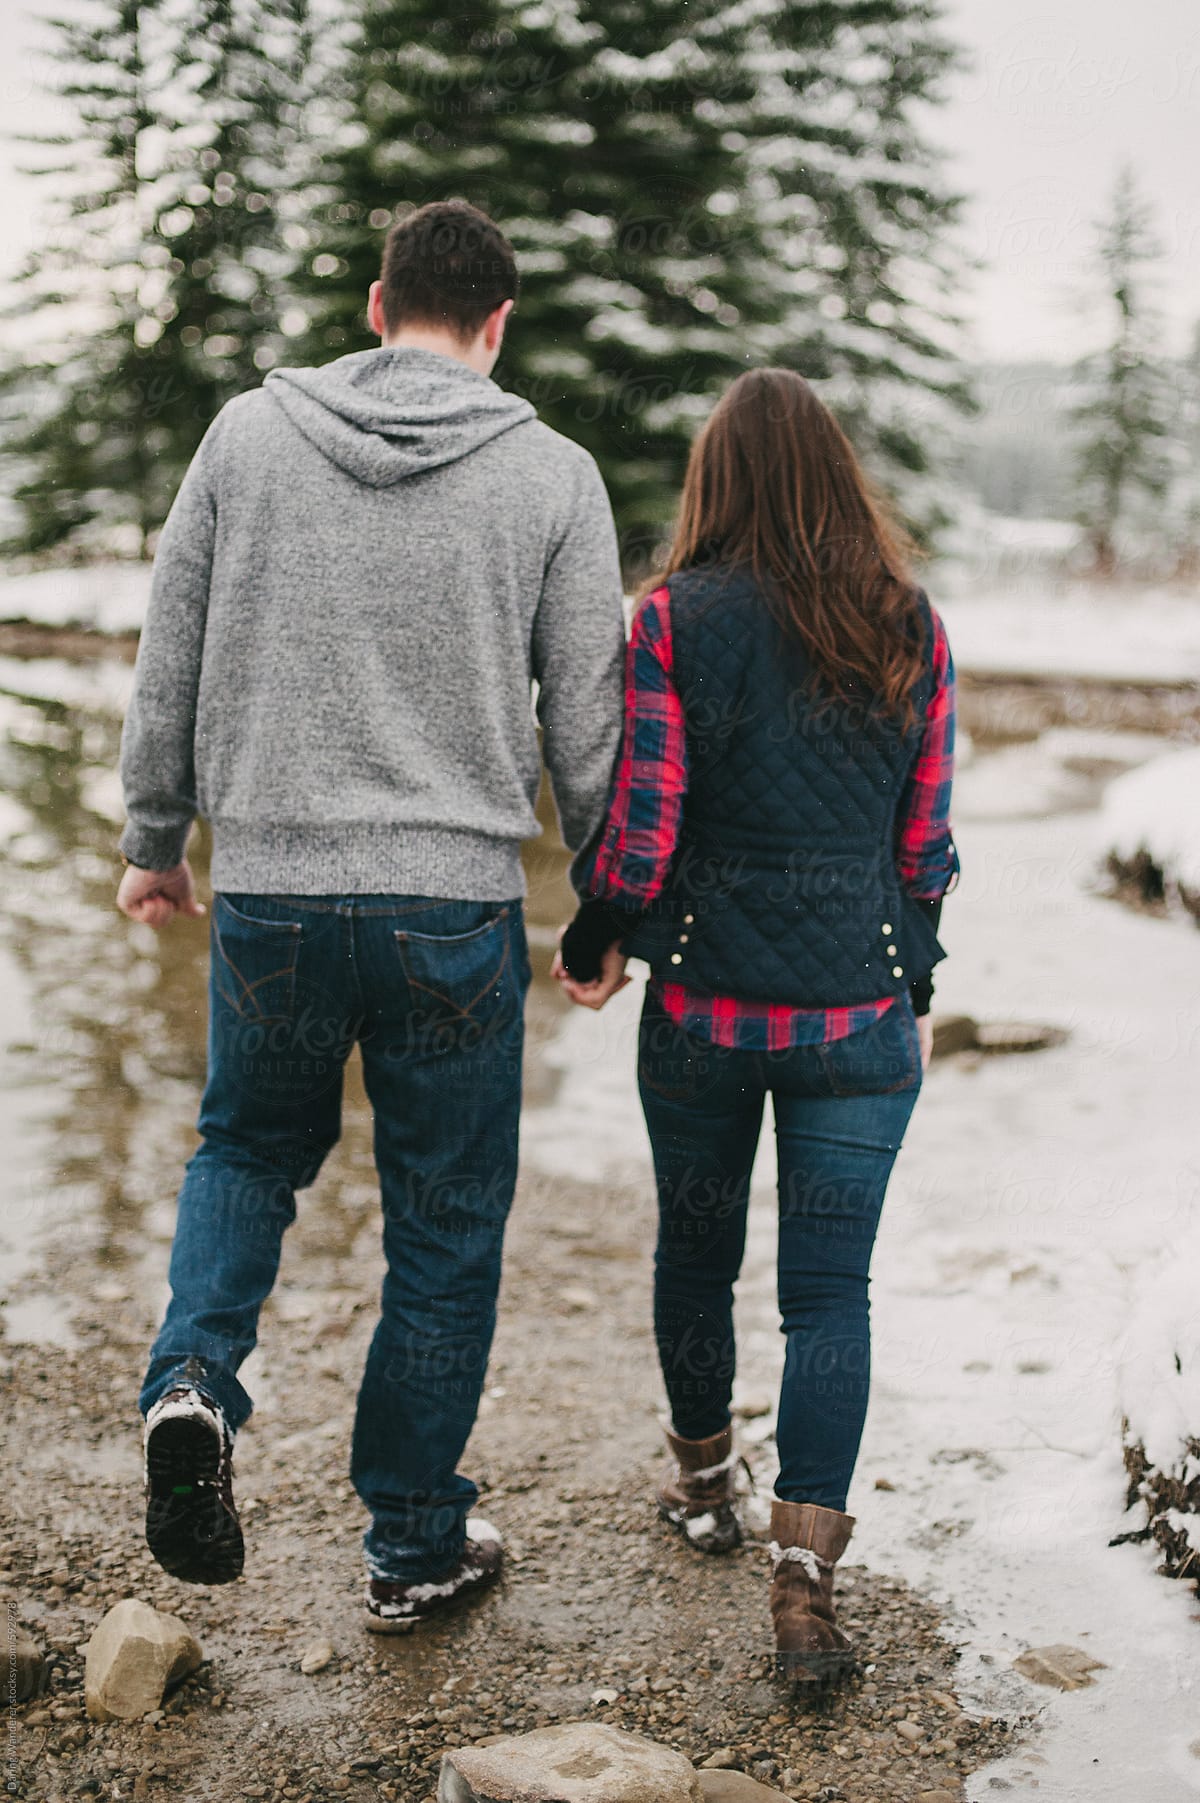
366, 569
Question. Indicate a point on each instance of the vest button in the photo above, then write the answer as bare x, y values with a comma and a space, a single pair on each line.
689, 920
897, 970
683, 938
676, 958
886, 928
891, 951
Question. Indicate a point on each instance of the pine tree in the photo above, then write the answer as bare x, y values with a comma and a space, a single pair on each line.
1123, 417
861, 218
90, 392
1184, 510
691, 187
156, 292
230, 178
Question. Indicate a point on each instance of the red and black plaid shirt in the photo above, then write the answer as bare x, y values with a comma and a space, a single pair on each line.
646, 806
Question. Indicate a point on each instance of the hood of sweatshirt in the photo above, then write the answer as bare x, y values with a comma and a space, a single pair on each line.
386, 414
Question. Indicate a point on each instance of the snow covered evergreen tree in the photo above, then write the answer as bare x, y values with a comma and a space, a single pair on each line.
155, 292
862, 220
1124, 415
241, 68
691, 188
88, 392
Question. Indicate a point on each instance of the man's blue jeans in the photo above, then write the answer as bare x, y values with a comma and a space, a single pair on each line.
840, 1114
433, 992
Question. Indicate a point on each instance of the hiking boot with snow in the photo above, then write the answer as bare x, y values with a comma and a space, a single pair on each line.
394, 1608
192, 1525
698, 1492
806, 1544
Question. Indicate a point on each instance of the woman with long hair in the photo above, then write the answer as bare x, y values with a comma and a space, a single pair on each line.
776, 848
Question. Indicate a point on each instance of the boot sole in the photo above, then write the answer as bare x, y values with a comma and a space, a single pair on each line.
817, 1670
727, 1542
462, 1599
191, 1532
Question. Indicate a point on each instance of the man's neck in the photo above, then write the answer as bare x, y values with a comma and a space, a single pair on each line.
443, 344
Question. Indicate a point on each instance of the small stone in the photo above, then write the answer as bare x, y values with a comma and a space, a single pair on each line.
135, 1655
1061, 1667
576, 1296
22, 1663
600, 1697
735, 1787
884, 1483
939, 1796
316, 1657
720, 1761
574, 1762
909, 1731
943, 1700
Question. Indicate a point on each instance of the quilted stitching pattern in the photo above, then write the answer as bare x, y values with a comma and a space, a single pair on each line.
785, 860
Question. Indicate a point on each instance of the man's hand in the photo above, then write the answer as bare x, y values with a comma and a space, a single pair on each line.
925, 1036
153, 896
594, 995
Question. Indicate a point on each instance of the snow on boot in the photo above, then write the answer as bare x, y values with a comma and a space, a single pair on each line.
698, 1490
806, 1544
393, 1606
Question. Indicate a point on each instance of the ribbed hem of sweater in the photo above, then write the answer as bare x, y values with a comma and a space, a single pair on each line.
365, 860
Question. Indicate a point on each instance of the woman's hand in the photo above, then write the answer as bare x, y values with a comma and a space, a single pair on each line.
593, 995
925, 1038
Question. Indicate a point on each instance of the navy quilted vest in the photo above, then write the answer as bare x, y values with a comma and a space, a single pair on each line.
784, 886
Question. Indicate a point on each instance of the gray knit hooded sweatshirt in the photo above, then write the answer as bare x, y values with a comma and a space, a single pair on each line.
365, 569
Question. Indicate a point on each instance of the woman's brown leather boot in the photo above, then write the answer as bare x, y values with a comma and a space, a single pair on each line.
806, 1544
698, 1491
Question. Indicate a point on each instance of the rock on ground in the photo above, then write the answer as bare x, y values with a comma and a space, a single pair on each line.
1063, 1667
22, 1658
133, 1657
577, 1762
734, 1787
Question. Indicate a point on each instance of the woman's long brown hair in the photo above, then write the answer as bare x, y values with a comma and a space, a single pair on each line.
773, 483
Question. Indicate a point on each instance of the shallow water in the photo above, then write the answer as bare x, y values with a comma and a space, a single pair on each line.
102, 1024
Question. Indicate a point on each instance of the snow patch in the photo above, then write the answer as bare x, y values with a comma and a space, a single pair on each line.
1156, 810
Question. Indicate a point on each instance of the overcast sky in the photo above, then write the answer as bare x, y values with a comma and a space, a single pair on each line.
1054, 100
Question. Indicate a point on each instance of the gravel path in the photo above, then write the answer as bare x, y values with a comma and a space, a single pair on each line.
604, 1614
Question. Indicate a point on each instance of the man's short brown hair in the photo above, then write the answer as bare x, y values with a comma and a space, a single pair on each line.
446, 265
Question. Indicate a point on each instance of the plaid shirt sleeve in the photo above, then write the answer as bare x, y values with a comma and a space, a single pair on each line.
926, 856
641, 830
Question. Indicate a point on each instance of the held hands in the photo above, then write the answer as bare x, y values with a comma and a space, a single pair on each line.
593, 995
153, 896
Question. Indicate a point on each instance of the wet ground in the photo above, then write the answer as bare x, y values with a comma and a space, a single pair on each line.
101, 1040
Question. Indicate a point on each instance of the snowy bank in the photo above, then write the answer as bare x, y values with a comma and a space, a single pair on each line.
1085, 630
102, 597
1150, 828
1160, 1393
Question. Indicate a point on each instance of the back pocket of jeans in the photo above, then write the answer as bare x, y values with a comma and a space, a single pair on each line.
879, 1059
254, 961
459, 976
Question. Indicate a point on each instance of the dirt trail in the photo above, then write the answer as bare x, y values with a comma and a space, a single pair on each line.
599, 1596
102, 1034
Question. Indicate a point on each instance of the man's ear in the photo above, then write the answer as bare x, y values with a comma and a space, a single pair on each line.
375, 317
493, 327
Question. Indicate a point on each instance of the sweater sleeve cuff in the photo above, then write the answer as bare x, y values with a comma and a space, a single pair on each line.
597, 926
154, 847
